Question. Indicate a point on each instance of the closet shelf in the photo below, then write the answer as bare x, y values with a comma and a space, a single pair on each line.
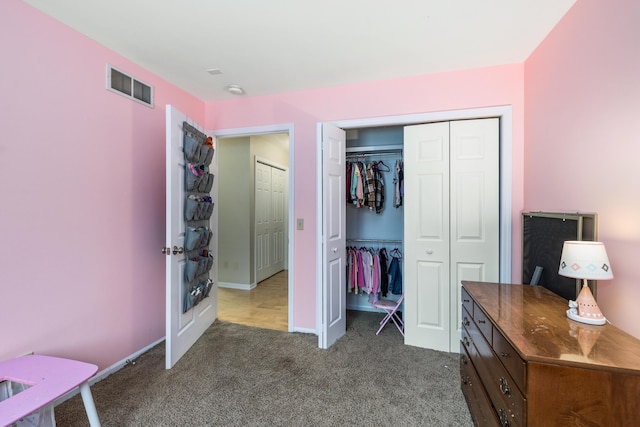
374, 149
374, 241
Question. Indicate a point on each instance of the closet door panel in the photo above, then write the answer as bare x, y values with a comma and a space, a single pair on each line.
430, 196
426, 235
333, 297
278, 189
263, 219
474, 202
431, 302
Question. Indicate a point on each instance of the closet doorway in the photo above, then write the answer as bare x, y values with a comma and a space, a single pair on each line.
254, 281
331, 305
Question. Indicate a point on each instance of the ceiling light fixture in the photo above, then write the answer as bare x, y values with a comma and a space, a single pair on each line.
235, 90
214, 71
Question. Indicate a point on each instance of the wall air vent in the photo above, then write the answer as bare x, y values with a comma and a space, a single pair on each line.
122, 83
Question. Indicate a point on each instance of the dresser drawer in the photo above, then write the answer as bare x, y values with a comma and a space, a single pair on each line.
467, 318
477, 400
504, 393
510, 359
467, 342
483, 322
467, 302
507, 400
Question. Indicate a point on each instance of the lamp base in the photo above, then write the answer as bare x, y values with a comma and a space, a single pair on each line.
578, 318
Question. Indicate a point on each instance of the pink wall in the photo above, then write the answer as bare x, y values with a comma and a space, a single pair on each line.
82, 182
440, 92
582, 93
82, 174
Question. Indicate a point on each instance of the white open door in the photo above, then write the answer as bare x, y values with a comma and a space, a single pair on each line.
334, 296
183, 328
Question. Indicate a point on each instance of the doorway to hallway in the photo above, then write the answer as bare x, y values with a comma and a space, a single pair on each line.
264, 306
253, 228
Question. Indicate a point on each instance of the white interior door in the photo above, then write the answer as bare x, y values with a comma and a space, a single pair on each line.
264, 221
270, 183
334, 295
183, 329
451, 223
278, 202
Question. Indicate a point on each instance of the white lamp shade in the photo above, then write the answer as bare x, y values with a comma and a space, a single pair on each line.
585, 260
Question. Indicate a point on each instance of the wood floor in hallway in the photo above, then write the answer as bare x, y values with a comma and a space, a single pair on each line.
265, 306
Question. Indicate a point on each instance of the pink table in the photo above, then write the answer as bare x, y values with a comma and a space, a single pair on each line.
49, 378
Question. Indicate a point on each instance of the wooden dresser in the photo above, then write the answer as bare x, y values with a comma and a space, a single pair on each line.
524, 363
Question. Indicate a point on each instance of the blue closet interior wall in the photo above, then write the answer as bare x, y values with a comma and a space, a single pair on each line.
363, 224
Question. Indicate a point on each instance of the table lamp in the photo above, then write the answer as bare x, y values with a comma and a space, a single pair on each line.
587, 261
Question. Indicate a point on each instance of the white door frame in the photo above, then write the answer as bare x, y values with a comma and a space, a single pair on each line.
261, 130
504, 113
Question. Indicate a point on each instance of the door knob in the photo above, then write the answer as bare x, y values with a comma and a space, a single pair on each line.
429, 251
177, 250
166, 251
335, 250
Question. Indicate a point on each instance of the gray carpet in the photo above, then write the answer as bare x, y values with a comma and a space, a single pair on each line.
241, 376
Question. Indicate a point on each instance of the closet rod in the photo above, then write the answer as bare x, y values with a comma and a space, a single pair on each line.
375, 148
374, 241
360, 155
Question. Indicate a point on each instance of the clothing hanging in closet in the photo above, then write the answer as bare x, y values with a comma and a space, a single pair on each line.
398, 183
365, 185
370, 272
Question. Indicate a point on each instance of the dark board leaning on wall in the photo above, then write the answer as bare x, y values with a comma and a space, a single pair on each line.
543, 234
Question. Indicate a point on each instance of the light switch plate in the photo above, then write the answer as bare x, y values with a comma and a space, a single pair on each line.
300, 223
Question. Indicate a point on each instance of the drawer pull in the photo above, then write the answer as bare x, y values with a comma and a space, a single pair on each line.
503, 354
466, 341
482, 321
466, 322
465, 300
504, 419
464, 359
504, 387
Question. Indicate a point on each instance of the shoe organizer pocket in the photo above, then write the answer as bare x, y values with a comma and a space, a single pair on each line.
191, 269
208, 286
202, 155
193, 238
202, 184
209, 185
209, 210
191, 181
195, 294
206, 237
209, 156
192, 149
191, 209
206, 262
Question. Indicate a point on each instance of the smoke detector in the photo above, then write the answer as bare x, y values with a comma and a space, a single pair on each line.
235, 90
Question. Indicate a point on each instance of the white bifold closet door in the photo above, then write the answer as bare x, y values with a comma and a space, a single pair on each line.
270, 216
451, 223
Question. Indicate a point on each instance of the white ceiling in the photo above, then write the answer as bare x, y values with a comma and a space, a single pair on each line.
280, 46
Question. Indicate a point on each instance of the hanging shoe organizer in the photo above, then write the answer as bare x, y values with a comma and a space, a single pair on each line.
198, 208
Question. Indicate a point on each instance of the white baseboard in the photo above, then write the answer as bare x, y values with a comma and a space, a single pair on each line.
231, 285
108, 371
